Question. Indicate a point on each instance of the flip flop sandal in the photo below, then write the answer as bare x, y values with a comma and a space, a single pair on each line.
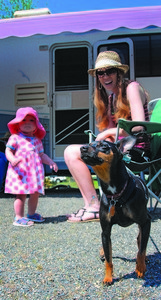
79, 219
76, 213
24, 222
35, 218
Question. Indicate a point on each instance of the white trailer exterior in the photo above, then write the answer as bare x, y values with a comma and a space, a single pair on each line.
44, 61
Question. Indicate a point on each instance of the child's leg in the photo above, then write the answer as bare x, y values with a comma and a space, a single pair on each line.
32, 203
19, 206
32, 206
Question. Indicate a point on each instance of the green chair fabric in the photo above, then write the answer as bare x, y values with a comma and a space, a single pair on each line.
154, 129
156, 137
156, 146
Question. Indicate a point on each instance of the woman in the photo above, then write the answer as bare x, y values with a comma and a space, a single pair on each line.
127, 100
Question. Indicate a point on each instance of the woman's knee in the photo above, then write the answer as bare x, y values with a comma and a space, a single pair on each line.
72, 152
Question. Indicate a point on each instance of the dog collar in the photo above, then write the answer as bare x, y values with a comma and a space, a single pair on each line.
113, 201
117, 196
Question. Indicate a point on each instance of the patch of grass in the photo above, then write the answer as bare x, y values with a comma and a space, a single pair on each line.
69, 182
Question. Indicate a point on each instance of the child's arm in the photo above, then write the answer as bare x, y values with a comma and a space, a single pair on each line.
48, 161
11, 158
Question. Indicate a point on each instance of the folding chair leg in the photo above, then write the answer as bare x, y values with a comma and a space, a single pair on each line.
151, 204
154, 196
149, 184
155, 205
100, 189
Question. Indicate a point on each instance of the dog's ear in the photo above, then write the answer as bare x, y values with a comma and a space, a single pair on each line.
126, 143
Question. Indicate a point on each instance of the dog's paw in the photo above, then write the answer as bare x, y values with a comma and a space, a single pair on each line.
140, 265
140, 273
108, 273
107, 281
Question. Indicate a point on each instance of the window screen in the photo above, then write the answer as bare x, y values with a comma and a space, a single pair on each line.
71, 66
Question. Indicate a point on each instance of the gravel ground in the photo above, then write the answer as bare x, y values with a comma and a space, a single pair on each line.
60, 260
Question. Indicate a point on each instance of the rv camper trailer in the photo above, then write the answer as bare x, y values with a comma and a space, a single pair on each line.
44, 60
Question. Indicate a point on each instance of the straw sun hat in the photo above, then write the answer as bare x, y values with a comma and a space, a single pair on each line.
108, 60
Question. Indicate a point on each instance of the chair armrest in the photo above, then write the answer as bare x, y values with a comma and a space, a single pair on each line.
149, 127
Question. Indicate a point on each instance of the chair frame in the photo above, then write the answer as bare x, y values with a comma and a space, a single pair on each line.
150, 128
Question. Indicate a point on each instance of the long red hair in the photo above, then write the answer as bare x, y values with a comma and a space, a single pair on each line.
101, 101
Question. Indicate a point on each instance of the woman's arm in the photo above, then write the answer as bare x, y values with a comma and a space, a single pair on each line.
136, 97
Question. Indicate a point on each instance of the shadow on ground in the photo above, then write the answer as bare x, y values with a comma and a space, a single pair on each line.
151, 278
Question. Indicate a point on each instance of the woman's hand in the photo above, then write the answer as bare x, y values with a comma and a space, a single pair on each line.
105, 135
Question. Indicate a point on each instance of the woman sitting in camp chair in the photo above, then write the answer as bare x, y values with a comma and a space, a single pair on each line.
128, 100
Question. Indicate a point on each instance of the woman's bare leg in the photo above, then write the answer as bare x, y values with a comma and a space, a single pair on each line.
82, 176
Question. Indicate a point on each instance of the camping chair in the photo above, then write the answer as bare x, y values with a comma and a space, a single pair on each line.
154, 164
153, 167
154, 108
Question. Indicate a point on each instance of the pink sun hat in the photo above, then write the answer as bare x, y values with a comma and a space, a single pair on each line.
20, 115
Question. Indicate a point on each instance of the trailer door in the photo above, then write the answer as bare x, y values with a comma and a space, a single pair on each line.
72, 112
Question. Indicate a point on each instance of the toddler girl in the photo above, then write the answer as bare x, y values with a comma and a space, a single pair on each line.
25, 174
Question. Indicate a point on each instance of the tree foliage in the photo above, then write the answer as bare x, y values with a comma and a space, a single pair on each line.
8, 7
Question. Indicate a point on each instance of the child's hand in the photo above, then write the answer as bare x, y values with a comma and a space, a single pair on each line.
54, 166
15, 161
48, 161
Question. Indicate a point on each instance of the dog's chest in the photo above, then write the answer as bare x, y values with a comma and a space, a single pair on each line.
116, 211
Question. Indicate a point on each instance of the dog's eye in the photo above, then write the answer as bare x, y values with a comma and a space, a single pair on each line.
104, 146
101, 144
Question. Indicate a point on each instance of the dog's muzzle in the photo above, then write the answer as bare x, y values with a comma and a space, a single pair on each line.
89, 155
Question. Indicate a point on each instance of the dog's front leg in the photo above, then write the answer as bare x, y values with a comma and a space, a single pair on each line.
144, 231
107, 247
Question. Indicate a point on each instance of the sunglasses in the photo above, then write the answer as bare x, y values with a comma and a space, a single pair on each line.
107, 72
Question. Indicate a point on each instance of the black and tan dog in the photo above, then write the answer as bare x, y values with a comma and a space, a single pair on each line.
124, 199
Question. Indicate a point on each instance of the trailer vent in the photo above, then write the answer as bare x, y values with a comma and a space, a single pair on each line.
31, 94
32, 12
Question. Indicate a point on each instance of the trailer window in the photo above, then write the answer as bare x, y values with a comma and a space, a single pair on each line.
147, 54
71, 65
156, 54
142, 56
